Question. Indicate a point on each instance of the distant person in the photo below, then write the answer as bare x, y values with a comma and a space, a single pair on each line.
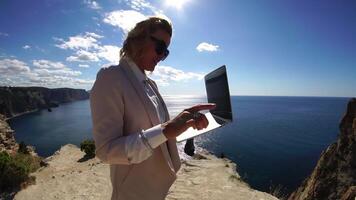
131, 125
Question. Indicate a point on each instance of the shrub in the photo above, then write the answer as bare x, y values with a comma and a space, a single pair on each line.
23, 148
15, 169
88, 146
32, 163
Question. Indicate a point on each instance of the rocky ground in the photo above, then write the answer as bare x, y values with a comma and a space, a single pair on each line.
70, 176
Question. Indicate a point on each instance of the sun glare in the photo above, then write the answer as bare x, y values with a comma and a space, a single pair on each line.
178, 4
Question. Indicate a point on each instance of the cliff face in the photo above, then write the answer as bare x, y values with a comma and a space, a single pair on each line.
18, 100
334, 177
7, 140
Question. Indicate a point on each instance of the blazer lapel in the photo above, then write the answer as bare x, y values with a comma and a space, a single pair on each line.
154, 87
149, 107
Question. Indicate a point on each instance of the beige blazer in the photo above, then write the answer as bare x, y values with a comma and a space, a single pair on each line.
120, 107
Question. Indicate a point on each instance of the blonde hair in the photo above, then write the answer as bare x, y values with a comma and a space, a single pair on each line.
133, 44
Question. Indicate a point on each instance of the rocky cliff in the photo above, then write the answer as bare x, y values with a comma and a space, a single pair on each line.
7, 140
19, 100
334, 176
70, 176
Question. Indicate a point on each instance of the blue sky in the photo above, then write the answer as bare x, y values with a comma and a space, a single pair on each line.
275, 48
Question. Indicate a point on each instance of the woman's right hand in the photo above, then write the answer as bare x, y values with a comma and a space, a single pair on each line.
188, 118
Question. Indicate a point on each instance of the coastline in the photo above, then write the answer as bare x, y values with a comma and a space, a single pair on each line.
38, 109
22, 113
17, 101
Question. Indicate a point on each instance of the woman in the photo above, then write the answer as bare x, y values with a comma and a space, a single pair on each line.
131, 125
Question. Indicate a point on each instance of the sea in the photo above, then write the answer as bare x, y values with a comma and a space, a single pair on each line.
274, 141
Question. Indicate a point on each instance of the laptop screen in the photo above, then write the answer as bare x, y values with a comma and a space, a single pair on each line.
217, 90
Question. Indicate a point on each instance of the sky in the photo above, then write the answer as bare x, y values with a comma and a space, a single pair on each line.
270, 48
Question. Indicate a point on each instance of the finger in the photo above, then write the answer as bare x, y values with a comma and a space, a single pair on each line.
204, 106
186, 115
191, 123
198, 124
199, 107
201, 125
205, 121
197, 115
201, 120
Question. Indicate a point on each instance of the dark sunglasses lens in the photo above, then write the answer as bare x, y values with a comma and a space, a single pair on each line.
161, 47
166, 53
159, 50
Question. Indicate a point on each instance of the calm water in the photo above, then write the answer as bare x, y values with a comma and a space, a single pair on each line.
273, 140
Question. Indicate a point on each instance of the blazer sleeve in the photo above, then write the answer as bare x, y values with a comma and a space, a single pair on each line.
107, 111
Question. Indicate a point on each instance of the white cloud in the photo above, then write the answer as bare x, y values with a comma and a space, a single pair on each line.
207, 47
83, 56
84, 81
46, 68
178, 4
162, 82
83, 66
94, 35
144, 6
13, 67
124, 19
107, 65
26, 47
89, 49
110, 53
45, 73
59, 81
66, 72
46, 64
141, 5
86, 41
92, 4
165, 74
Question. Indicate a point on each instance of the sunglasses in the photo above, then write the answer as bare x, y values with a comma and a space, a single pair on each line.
160, 47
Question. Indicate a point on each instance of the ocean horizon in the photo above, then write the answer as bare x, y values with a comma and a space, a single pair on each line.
274, 140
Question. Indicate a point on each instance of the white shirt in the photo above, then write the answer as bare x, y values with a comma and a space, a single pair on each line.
140, 146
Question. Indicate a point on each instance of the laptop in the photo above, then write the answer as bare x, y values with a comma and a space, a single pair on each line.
217, 90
